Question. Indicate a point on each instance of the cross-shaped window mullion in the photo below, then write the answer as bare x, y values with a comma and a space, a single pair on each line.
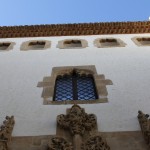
74, 86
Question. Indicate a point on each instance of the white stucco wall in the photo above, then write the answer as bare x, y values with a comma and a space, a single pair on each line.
20, 71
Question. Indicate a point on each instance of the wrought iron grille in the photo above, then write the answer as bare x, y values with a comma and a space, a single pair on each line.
75, 87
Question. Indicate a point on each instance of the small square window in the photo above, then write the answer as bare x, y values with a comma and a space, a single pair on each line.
36, 45
144, 41
4, 46
141, 41
72, 43
108, 43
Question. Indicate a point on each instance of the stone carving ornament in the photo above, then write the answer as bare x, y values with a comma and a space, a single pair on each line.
6, 128
78, 71
144, 122
79, 124
59, 143
6, 131
3, 145
77, 121
95, 143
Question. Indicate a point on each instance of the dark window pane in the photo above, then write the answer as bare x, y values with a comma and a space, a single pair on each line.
75, 87
63, 88
86, 88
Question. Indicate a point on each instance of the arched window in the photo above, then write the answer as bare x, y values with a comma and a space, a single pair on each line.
75, 86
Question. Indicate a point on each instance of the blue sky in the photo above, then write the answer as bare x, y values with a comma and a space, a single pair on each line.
31, 12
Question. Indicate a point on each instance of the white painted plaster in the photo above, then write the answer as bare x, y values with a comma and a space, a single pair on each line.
20, 71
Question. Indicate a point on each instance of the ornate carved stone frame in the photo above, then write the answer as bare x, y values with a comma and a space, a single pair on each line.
48, 85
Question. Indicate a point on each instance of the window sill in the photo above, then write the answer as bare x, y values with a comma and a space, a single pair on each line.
49, 102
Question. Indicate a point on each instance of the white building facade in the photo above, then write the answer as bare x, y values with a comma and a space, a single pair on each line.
122, 58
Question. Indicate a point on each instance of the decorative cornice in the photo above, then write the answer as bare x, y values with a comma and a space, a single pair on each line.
75, 29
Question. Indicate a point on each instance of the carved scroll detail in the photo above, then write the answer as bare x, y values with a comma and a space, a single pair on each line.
77, 121
71, 70
59, 143
95, 143
144, 122
6, 131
